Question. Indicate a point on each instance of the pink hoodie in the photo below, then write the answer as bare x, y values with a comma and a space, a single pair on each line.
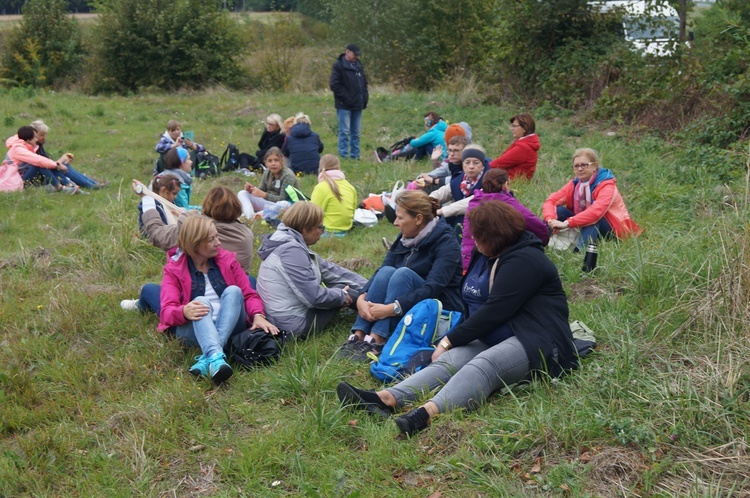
19, 152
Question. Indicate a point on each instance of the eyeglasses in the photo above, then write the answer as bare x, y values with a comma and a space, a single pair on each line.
514, 125
322, 228
583, 165
454, 151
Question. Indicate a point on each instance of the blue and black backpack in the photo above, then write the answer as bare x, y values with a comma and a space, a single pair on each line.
411, 345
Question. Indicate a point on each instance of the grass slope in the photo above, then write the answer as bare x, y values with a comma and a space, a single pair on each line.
94, 402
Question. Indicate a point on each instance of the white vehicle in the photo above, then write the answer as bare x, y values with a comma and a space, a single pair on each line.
652, 27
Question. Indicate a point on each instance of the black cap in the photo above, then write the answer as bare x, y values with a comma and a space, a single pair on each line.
354, 48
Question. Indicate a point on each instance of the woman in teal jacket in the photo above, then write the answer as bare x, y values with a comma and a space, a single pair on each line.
424, 145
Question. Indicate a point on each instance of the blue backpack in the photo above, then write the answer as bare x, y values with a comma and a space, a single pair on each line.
411, 345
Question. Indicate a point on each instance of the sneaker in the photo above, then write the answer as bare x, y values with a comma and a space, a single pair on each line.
349, 347
70, 189
377, 157
218, 369
366, 351
129, 304
359, 399
200, 369
413, 422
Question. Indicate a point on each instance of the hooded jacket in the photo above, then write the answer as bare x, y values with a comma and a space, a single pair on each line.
177, 284
606, 202
520, 158
527, 296
437, 259
303, 148
349, 84
432, 137
292, 279
533, 223
19, 152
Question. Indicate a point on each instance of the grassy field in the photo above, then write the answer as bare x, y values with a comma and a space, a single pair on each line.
94, 402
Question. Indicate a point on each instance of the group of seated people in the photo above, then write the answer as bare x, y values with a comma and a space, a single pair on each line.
496, 272
27, 164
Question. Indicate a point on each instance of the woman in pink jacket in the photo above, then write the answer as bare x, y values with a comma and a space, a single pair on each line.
519, 160
206, 297
590, 201
22, 150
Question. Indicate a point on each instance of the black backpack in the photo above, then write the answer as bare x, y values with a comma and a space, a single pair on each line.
255, 348
230, 159
206, 164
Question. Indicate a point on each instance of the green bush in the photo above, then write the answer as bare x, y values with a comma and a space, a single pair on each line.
45, 48
166, 44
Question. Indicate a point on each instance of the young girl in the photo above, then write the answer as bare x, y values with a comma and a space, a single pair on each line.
335, 195
272, 190
179, 165
151, 213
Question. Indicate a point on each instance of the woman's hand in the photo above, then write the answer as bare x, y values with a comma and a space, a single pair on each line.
62, 167
195, 310
557, 224
260, 322
249, 187
347, 297
259, 193
363, 307
380, 311
189, 143
437, 153
438, 351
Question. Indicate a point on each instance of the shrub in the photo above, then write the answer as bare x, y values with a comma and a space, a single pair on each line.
168, 44
45, 48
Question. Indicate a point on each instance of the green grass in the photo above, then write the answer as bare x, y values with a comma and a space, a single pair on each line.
94, 402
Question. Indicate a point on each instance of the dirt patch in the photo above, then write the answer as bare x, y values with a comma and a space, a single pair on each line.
589, 290
614, 470
355, 264
38, 257
249, 111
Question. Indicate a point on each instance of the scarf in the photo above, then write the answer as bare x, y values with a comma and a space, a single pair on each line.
333, 174
467, 185
415, 241
582, 195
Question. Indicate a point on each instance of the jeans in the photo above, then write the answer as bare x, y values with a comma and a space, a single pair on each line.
350, 124
51, 176
150, 298
591, 233
468, 374
212, 336
79, 178
386, 286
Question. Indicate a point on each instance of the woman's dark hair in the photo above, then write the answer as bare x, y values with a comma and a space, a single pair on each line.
526, 122
169, 182
222, 205
434, 117
494, 180
418, 202
172, 160
496, 226
26, 133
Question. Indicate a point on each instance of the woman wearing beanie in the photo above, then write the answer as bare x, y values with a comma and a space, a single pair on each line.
520, 158
462, 185
336, 196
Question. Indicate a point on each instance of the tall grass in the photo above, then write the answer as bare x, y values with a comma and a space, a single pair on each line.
94, 402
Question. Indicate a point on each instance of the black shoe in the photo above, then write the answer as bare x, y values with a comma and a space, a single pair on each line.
366, 351
413, 422
359, 399
349, 348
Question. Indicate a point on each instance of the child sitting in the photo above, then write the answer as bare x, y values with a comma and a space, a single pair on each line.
336, 196
273, 188
173, 138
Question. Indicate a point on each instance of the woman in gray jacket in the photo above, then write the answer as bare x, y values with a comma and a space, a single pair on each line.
291, 277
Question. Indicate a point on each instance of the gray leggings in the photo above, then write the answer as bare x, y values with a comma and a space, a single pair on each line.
468, 373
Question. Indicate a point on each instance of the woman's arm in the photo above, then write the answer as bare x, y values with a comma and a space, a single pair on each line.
171, 313
457, 208
559, 198
301, 279
600, 205
22, 155
446, 259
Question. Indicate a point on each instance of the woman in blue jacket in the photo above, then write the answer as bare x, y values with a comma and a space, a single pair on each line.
303, 146
424, 145
424, 262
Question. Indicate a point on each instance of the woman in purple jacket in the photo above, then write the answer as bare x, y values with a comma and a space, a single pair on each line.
496, 187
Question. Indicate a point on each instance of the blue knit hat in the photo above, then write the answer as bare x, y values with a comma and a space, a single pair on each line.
183, 153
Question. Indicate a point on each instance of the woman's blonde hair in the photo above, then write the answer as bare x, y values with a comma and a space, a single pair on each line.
302, 118
303, 216
275, 118
288, 123
418, 202
39, 126
193, 231
329, 162
589, 153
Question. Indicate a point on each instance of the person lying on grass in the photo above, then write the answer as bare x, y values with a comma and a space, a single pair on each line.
517, 326
206, 296
424, 262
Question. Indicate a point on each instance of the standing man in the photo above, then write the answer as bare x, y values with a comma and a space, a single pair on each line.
349, 86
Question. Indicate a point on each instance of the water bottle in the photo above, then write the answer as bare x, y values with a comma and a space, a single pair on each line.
589, 260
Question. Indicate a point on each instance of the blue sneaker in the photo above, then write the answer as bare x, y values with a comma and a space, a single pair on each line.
218, 369
200, 369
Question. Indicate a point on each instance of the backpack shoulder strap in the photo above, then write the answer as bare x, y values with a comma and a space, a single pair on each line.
492, 275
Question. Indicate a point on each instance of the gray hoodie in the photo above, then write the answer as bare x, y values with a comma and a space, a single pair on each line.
292, 279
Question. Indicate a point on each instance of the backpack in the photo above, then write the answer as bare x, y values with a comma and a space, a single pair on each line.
206, 164
383, 152
254, 348
230, 159
295, 194
411, 345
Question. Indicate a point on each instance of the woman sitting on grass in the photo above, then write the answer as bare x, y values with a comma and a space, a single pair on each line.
425, 144
206, 296
273, 136
517, 326
179, 165
272, 189
520, 158
336, 196
590, 201
461, 186
303, 146
496, 187
220, 204
424, 262
301, 291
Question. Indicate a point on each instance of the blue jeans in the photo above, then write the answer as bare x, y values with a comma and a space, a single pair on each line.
350, 124
386, 286
79, 178
591, 233
51, 176
150, 298
212, 336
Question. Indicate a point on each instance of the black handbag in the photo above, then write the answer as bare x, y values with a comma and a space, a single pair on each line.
253, 348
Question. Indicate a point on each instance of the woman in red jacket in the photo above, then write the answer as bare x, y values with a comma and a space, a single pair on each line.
590, 201
206, 296
520, 158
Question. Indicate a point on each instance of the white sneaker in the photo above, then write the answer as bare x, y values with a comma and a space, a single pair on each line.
129, 304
